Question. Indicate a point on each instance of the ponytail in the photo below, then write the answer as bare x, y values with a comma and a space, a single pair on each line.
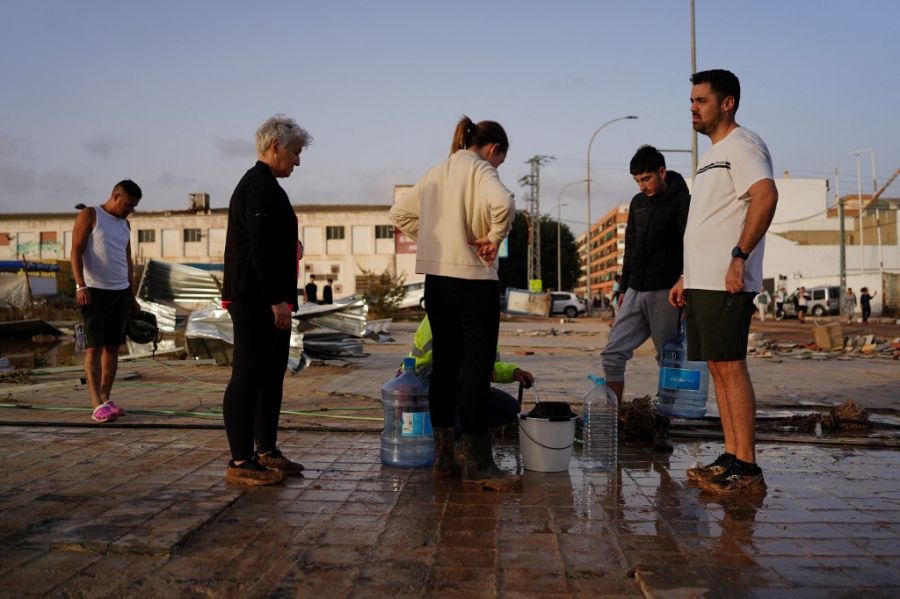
470, 135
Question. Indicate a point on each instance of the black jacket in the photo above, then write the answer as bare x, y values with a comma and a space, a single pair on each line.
261, 243
654, 250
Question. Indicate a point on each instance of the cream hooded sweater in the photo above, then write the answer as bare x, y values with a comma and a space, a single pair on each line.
457, 201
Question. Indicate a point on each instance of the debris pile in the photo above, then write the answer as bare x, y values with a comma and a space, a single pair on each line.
854, 346
637, 418
847, 417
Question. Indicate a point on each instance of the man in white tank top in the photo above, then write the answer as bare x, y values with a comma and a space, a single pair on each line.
102, 269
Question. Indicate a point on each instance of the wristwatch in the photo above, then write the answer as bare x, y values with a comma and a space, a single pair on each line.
737, 253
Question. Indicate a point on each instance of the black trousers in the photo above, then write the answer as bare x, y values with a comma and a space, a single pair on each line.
252, 402
465, 322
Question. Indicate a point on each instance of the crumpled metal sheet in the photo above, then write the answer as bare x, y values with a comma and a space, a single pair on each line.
330, 346
169, 316
186, 286
210, 334
345, 315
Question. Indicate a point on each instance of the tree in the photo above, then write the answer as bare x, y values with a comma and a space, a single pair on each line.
514, 269
382, 292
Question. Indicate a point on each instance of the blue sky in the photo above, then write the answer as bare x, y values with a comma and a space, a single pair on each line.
171, 93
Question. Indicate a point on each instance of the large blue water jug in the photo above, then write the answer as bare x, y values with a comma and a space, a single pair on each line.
683, 385
407, 440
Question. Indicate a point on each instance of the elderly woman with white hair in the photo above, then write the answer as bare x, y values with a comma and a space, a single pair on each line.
262, 251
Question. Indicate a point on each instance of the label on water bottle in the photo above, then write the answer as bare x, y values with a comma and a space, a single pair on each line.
416, 424
679, 378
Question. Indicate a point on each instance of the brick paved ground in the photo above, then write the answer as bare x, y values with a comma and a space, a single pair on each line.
141, 509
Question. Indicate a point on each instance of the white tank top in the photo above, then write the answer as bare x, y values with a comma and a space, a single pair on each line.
105, 258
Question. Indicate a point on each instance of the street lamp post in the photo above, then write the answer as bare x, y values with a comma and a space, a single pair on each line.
558, 233
589, 223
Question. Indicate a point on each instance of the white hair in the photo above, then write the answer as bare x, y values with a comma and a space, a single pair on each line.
285, 130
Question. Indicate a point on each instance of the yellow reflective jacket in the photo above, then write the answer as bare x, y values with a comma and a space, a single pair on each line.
421, 351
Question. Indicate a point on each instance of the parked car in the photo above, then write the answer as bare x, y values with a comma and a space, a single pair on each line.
415, 296
823, 301
563, 302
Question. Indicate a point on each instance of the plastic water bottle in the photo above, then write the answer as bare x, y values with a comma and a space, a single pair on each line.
600, 418
683, 385
407, 439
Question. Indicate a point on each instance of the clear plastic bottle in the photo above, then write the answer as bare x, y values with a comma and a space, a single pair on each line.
600, 418
407, 440
683, 385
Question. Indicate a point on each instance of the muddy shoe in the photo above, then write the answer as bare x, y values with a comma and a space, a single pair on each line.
740, 477
722, 463
275, 460
251, 472
479, 467
445, 462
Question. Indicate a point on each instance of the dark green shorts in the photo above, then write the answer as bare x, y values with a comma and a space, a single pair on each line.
718, 324
105, 317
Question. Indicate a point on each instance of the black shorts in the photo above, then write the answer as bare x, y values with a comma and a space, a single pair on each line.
718, 324
106, 316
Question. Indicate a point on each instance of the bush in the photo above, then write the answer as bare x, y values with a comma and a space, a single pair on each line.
382, 292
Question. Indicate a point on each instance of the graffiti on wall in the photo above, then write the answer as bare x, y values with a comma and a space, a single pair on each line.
40, 249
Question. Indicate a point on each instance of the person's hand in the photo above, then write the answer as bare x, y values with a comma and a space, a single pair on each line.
82, 296
619, 300
676, 294
282, 314
135, 306
486, 249
524, 377
734, 278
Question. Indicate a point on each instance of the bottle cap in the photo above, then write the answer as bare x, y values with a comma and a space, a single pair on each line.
409, 363
597, 380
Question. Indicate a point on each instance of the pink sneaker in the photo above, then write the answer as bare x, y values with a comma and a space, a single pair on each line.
117, 411
103, 413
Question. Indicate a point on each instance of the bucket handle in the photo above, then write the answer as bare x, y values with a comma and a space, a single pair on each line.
538, 443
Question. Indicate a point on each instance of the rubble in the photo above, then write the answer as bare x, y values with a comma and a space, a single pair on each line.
853, 346
847, 417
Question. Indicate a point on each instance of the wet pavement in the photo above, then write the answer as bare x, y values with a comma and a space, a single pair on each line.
141, 508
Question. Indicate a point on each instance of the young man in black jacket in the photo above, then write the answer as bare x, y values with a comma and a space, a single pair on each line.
653, 263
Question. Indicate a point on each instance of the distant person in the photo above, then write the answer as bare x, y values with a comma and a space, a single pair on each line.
327, 293
615, 294
848, 305
104, 289
780, 298
733, 200
652, 263
865, 301
762, 303
464, 213
503, 408
312, 290
801, 303
262, 250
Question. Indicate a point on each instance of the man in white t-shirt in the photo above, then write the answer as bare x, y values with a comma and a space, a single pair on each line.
732, 203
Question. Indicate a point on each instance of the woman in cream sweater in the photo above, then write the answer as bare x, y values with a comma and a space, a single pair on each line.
459, 213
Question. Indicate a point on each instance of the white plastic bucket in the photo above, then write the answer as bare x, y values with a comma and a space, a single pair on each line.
546, 445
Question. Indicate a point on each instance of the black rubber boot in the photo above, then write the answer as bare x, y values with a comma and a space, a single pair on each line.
661, 439
479, 467
445, 461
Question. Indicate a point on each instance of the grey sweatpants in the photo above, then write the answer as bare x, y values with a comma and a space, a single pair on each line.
642, 315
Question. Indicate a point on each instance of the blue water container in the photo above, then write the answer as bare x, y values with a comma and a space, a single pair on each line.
407, 440
683, 385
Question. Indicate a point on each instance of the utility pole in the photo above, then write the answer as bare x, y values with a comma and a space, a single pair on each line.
533, 180
843, 259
